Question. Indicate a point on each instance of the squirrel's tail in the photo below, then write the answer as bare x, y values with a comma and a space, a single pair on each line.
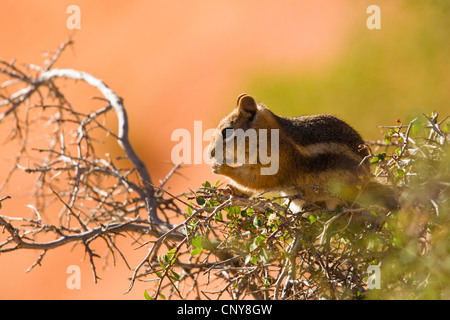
376, 193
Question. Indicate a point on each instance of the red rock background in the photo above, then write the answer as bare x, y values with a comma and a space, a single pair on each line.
173, 63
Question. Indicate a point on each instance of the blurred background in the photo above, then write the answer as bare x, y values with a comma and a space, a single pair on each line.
174, 63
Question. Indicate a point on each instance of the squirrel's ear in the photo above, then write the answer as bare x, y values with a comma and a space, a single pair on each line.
247, 103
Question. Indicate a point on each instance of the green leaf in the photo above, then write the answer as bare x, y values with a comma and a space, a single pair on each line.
217, 183
196, 251
169, 257
200, 200
263, 255
400, 173
259, 240
197, 242
175, 276
257, 222
312, 218
207, 184
378, 157
163, 266
147, 296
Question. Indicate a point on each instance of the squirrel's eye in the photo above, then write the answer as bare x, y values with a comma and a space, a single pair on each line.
226, 132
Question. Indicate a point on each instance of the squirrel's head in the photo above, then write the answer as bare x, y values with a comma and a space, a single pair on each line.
240, 131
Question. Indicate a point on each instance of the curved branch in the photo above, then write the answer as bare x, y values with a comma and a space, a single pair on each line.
123, 127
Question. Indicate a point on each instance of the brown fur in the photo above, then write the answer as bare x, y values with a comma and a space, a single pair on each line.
316, 154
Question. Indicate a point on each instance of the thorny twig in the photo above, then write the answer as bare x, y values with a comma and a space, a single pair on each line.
88, 176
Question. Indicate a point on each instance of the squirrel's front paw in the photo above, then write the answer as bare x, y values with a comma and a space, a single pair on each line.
218, 167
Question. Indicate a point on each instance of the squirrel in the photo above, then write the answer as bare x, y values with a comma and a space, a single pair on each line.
321, 159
